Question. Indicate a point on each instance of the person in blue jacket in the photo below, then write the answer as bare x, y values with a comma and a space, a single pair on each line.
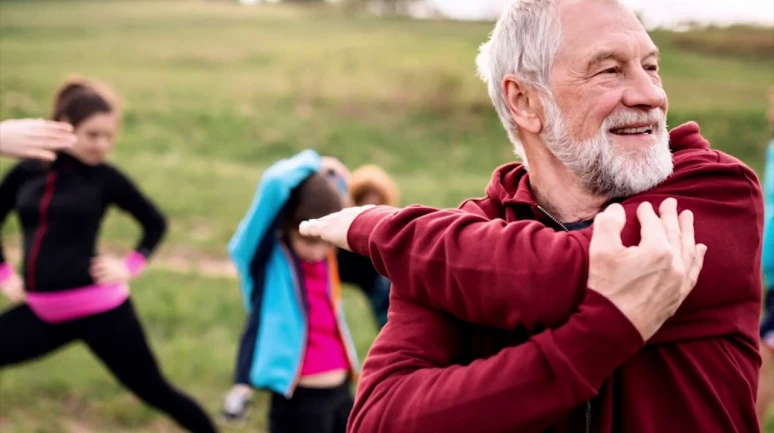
766, 379
295, 342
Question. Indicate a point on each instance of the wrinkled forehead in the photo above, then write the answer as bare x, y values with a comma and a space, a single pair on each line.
596, 28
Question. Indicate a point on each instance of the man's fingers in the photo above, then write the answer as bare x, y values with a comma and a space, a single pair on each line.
310, 228
668, 215
652, 234
696, 267
607, 228
688, 238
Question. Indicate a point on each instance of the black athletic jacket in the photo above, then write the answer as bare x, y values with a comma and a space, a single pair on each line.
60, 208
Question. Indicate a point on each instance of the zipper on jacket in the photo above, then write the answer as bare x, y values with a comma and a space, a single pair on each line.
588, 417
297, 285
588, 403
38, 239
545, 212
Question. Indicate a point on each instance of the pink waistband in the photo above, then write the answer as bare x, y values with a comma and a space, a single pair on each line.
66, 305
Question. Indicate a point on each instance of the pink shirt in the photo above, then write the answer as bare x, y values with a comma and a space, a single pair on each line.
325, 349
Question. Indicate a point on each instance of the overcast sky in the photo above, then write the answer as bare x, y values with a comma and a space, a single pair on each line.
656, 12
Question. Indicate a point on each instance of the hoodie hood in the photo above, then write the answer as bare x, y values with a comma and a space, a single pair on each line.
510, 182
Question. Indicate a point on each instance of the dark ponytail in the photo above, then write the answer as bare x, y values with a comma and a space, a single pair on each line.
78, 99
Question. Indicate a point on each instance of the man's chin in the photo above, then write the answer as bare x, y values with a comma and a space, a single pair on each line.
643, 179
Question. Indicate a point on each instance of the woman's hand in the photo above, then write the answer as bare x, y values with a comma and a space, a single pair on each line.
13, 288
106, 270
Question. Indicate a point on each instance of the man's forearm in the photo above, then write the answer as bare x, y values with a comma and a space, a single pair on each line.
526, 388
486, 272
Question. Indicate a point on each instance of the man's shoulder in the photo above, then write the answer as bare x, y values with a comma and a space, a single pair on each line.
483, 206
710, 163
711, 174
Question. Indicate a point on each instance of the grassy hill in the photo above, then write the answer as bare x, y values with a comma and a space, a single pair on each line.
215, 92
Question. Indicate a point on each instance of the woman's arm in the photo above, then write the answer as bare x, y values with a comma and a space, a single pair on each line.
127, 196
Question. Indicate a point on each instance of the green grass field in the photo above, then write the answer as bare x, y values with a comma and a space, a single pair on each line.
214, 93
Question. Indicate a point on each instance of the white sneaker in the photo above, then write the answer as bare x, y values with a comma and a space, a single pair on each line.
236, 407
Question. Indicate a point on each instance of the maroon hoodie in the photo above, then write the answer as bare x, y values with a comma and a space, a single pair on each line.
491, 327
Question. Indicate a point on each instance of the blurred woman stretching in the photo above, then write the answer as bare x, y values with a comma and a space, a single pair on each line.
71, 293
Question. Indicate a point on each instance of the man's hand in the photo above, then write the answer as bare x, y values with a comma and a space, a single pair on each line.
35, 138
106, 270
333, 228
650, 281
13, 288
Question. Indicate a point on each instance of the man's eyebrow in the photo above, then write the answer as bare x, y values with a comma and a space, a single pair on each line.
610, 54
601, 57
654, 53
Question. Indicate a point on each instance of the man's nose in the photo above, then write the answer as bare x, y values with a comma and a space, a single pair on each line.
642, 91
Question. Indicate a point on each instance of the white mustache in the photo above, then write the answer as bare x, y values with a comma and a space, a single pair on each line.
623, 119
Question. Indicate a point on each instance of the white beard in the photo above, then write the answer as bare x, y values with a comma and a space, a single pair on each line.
600, 167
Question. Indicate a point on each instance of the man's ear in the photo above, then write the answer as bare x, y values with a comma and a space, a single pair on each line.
523, 104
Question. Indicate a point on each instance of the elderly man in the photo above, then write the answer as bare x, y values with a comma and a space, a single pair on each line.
496, 321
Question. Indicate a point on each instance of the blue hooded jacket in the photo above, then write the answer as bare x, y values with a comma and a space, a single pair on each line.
768, 229
268, 279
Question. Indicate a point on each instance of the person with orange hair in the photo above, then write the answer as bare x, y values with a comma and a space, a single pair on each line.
369, 184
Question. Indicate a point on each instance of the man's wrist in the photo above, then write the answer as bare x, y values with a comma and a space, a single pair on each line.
363, 226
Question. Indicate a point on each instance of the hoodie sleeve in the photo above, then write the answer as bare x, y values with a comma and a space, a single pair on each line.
412, 381
506, 275
487, 272
270, 197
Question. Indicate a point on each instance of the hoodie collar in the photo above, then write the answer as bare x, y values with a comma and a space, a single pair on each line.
510, 182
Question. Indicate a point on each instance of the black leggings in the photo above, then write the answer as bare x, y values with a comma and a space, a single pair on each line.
118, 340
311, 410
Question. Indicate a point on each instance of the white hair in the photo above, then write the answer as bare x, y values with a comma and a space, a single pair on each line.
524, 42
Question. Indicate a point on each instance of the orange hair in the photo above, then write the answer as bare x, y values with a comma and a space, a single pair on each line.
372, 179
